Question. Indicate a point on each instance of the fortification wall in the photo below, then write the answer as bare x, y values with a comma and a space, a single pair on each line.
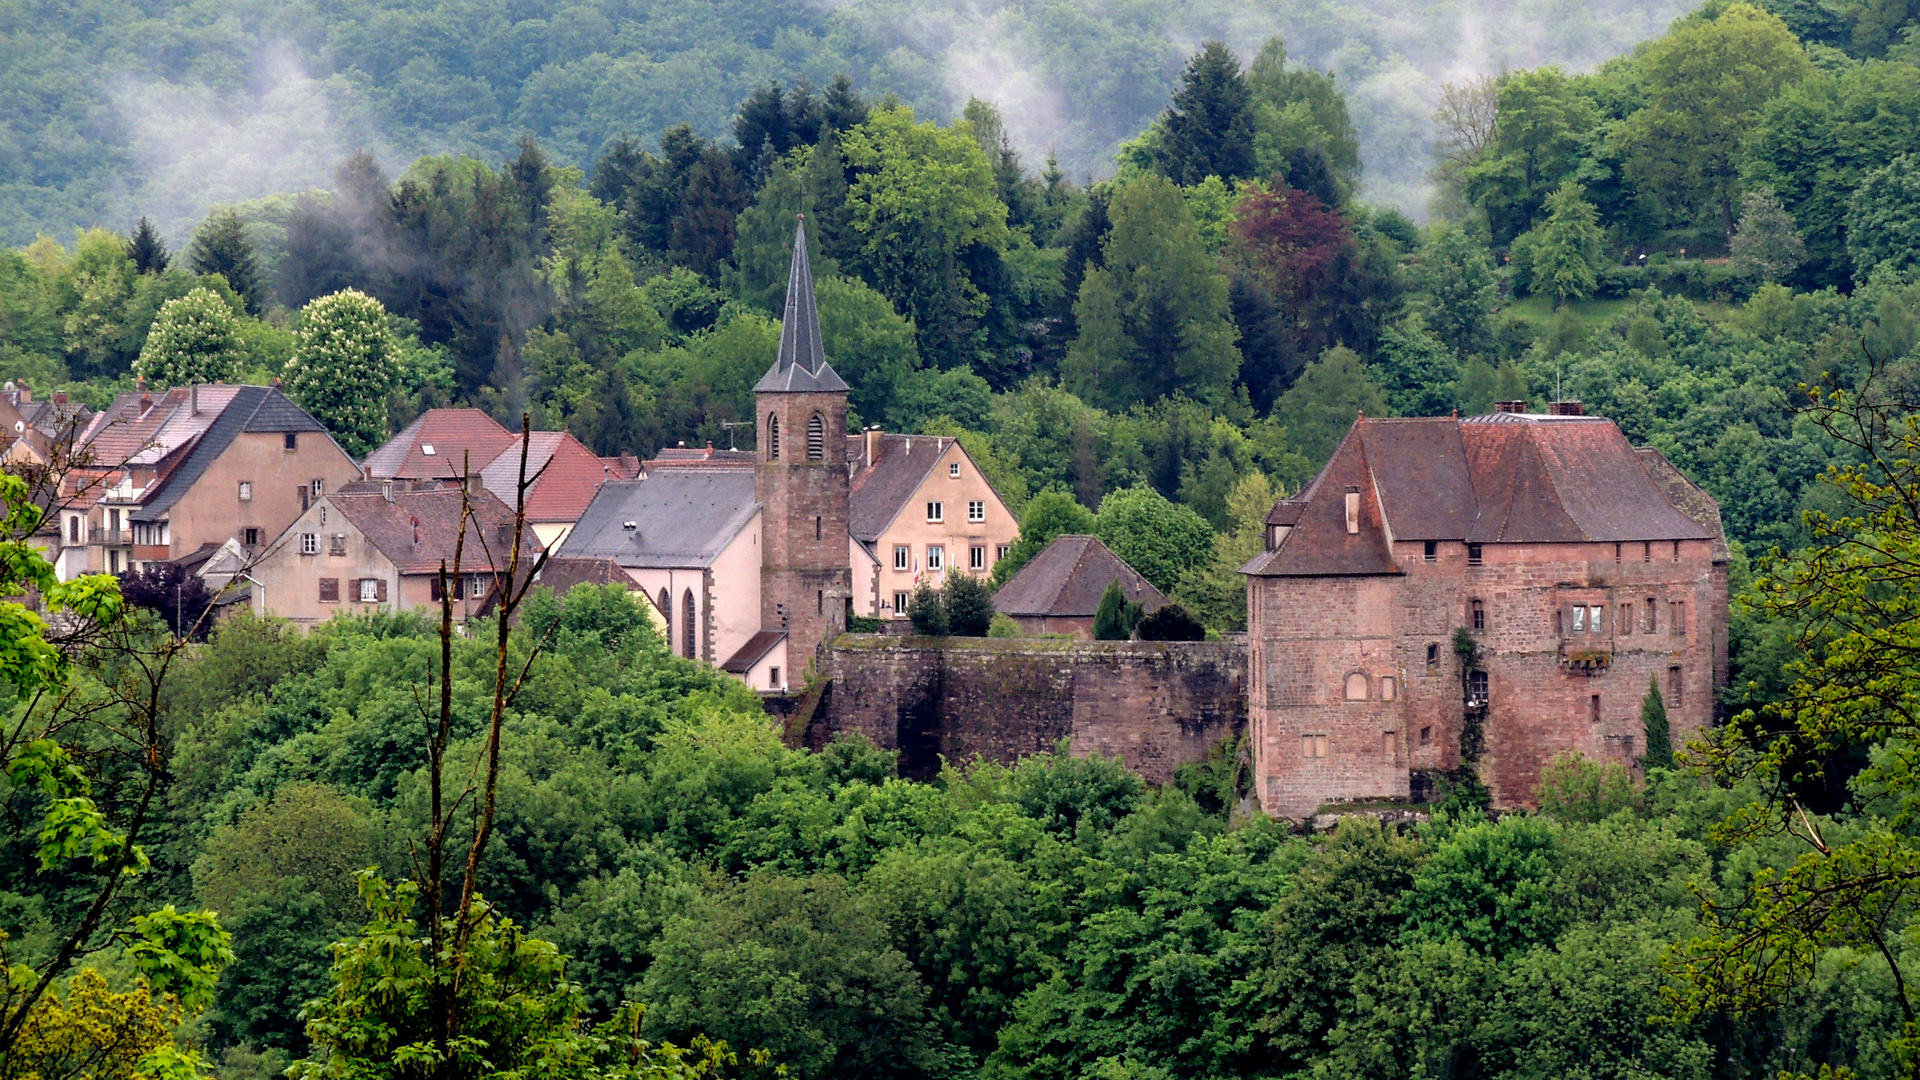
1154, 704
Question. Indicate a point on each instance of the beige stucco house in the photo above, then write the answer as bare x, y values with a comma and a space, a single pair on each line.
378, 546
919, 509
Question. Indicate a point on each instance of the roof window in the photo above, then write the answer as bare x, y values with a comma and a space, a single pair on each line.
426, 448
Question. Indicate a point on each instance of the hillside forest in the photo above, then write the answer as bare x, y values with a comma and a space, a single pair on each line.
544, 847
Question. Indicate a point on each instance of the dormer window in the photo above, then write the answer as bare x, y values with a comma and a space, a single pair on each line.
1353, 510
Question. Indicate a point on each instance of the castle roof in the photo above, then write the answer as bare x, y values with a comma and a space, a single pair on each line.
1066, 579
801, 366
1505, 478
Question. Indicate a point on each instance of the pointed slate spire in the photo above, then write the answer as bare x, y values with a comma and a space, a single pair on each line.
801, 365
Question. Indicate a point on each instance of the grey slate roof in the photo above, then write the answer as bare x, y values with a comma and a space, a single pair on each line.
681, 517
254, 409
801, 366
1065, 580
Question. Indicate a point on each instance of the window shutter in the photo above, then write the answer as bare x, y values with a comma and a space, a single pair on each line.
380, 590
329, 590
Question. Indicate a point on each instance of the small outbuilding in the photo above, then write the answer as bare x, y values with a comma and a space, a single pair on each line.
1059, 590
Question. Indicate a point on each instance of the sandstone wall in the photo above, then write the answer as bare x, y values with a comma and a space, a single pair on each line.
1154, 704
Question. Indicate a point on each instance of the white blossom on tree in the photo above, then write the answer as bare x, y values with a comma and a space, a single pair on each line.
343, 367
192, 340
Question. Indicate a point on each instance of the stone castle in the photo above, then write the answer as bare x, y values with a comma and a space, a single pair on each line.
1490, 590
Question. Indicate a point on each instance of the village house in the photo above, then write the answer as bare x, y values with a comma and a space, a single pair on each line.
39, 432
379, 546
919, 508
1059, 590
156, 477
1572, 568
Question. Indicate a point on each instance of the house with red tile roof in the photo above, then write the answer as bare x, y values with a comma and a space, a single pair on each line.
379, 546
1059, 590
440, 444
919, 508
1488, 591
155, 476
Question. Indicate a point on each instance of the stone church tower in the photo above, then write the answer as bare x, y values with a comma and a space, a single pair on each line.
800, 479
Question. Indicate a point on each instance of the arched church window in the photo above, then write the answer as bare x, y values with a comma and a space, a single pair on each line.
773, 437
816, 438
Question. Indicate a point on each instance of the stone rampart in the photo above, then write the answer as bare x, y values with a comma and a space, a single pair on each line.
1154, 704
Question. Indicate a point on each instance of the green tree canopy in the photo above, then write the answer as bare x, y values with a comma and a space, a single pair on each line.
343, 368
1568, 249
193, 340
1883, 221
1051, 513
1207, 129
1323, 403
1154, 320
1457, 289
1766, 244
1539, 137
1163, 541
221, 246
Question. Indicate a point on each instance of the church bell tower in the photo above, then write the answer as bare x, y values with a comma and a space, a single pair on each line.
800, 479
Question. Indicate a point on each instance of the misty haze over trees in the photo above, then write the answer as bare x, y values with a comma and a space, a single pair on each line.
248, 98
213, 841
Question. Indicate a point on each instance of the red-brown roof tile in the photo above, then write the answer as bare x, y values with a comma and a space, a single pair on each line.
1067, 578
454, 436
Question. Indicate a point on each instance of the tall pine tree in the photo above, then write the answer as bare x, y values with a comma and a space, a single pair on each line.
221, 247
147, 250
1207, 130
1653, 718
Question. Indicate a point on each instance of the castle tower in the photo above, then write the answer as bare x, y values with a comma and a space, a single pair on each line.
800, 479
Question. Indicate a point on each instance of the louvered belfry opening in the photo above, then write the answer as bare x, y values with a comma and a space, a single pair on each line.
816, 438
773, 437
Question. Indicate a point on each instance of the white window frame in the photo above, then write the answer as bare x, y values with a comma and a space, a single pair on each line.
936, 556
246, 491
902, 557
900, 600
309, 543
953, 470
936, 513
977, 557
976, 510
369, 590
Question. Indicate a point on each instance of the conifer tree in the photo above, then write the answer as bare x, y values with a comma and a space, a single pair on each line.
1110, 618
1766, 245
147, 250
1653, 718
343, 367
1207, 129
969, 605
221, 247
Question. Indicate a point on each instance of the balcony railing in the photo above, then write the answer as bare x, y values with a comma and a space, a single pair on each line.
98, 535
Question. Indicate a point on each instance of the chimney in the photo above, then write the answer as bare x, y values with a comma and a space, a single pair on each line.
193, 399
1509, 406
473, 483
874, 436
1567, 408
146, 402
26, 393
140, 383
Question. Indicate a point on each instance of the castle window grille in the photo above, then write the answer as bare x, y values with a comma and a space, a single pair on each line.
816, 438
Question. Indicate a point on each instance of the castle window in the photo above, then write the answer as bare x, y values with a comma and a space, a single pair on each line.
1426, 736
977, 557
1579, 619
1593, 709
1386, 743
1313, 746
1626, 618
773, 437
248, 537
1646, 551
900, 600
773, 678
1559, 622
1673, 688
816, 528
1477, 688
292, 440
1676, 551
936, 513
936, 557
816, 438
1616, 551
902, 557
1389, 688
1356, 687
1479, 615
686, 624
1650, 625
976, 510
1596, 615
1677, 618
1433, 655
1431, 551
1353, 510
1473, 555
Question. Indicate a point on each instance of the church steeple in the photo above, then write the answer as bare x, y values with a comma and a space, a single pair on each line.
801, 366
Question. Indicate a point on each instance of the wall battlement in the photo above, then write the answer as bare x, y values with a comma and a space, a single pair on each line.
1154, 704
